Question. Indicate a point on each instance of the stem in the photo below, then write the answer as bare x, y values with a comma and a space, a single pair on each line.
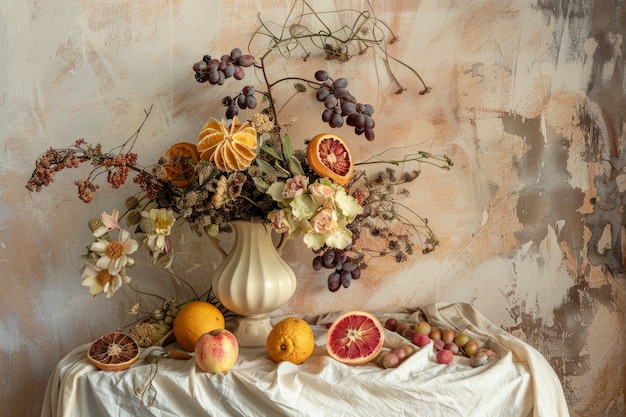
146, 293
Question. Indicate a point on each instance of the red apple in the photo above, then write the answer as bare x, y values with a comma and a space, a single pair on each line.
216, 351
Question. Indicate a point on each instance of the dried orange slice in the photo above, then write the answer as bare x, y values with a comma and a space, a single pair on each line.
328, 156
229, 148
182, 158
355, 338
114, 351
184, 149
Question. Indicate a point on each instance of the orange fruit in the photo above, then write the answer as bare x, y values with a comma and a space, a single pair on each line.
114, 351
228, 148
328, 156
355, 338
291, 340
195, 319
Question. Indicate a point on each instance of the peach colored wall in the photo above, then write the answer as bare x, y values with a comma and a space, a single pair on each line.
527, 99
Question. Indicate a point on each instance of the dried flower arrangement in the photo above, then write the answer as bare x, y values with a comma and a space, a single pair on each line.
247, 169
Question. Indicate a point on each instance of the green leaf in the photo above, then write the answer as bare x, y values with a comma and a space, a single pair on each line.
295, 167
271, 151
287, 149
270, 170
260, 184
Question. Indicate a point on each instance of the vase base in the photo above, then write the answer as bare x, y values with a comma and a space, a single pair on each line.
252, 331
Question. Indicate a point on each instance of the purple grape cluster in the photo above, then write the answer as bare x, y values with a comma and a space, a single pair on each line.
216, 71
244, 100
340, 103
345, 269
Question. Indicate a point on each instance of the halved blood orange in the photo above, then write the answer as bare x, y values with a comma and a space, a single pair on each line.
355, 338
114, 351
328, 156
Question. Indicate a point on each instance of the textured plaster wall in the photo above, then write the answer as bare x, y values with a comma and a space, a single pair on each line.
527, 98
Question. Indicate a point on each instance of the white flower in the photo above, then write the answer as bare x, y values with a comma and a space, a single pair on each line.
99, 280
325, 221
113, 255
321, 193
163, 219
109, 222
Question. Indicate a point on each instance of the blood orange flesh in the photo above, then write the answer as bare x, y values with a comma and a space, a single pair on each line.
355, 338
328, 156
113, 351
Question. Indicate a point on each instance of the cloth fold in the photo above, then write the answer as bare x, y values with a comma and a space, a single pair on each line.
519, 382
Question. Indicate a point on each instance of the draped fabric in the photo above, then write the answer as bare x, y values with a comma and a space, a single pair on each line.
519, 382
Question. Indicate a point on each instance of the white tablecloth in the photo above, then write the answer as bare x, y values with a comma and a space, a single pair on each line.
520, 382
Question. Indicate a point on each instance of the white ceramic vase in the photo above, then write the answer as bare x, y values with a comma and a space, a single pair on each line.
253, 280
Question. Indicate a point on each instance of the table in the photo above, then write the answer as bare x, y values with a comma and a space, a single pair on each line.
519, 382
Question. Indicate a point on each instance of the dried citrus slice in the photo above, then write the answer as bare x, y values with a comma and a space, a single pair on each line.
291, 340
114, 351
185, 149
182, 158
328, 156
355, 338
228, 148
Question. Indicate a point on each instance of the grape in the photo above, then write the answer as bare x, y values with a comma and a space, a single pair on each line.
239, 73
248, 90
241, 101
391, 324
348, 107
391, 360
340, 83
359, 121
479, 359
200, 66
213, 77
322, 93
350, 119
346, 278
340, 256
229, 70
330, 102
221, 66
226, 58
336, 120
235, 54
321, 75
341, 92
369, 134
369, 110
369, 122
250, 102
356, 274
317, 263
212, 65
349, 266
220, 77
334, 282
329, 256
327, 115
246, 60
231, 111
